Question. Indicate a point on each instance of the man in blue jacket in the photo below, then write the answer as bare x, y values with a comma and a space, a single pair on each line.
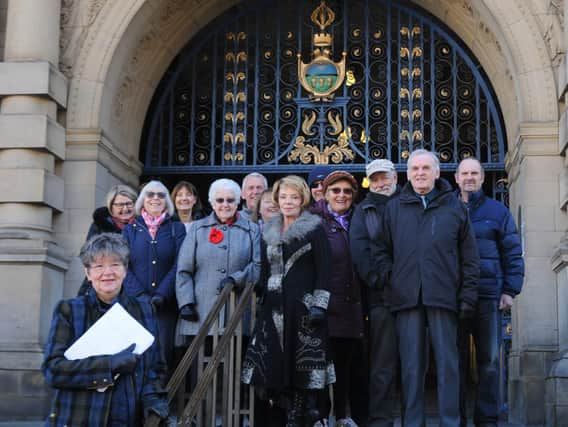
501, 279
427, 257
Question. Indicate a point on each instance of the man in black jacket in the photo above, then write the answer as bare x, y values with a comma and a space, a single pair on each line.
501, 279
363, 236
428, 259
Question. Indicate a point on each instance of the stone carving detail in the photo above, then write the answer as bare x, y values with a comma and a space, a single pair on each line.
76, 19
553, 30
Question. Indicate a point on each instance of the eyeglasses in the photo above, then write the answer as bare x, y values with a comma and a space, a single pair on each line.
337, 190
221, 200
101, 268
158, 194
128, 205
316, 184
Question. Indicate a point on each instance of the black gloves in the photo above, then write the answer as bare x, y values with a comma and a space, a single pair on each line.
157, 302
316, 316
188, 312
225, 282
156, 404
467, 311
124, 362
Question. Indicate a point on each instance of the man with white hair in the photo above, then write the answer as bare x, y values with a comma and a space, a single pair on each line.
363, 236
253, 186
427, 257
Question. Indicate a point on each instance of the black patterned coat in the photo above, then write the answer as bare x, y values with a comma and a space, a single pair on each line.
284, 351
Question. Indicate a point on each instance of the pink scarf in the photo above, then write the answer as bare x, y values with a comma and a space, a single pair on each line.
153, 223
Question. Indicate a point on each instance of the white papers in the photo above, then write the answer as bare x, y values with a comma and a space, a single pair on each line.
112, 333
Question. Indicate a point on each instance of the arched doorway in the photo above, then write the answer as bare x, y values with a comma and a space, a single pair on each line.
231, 102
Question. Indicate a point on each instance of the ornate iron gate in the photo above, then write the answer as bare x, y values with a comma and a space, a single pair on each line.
232, 97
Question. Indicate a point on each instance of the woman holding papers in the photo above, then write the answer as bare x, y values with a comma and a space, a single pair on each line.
118, 389
155, 239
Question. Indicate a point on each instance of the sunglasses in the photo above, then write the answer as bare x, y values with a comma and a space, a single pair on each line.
337, 190
221, 200
158, 194
316, 184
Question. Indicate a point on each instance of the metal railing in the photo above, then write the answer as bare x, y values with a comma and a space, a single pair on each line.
199, 407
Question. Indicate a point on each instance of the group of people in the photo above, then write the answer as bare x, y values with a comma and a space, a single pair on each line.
340, 286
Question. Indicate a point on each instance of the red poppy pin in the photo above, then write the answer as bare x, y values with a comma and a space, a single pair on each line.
216, 236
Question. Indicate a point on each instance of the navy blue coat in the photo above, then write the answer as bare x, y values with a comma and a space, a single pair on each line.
152, 270
502, 267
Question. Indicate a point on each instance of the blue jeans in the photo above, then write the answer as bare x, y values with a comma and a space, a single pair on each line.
485, 327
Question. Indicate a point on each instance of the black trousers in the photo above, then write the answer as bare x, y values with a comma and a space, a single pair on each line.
341, 351
383, 359
485, 327
411, 330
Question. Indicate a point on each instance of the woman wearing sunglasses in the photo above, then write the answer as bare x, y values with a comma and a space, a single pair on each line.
345, 313
154, 240
221, 249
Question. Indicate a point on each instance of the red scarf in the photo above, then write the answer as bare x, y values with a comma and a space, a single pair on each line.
121, 225
153, 223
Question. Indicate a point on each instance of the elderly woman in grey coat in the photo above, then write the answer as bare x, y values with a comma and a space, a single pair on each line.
219, 249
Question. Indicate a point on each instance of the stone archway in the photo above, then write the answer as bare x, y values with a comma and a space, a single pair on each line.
118, 54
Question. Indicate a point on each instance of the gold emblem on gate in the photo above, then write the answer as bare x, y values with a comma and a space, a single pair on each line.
322, 76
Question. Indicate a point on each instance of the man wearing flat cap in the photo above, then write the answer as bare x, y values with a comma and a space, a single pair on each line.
363, 236
428, 259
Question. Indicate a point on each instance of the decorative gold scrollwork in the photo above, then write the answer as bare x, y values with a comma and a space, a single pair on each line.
235, 78
416, 114
335, 122
417, 93
363, 138
335, 153
416, 51
404, 31
238, 36
404, 114
404, 72
404, 134
234, 139
417, 135
239, 57
237, 156
404, 52
350, 78
404, 92
309, 120
323, 16
416, 31
405, 154
416, 72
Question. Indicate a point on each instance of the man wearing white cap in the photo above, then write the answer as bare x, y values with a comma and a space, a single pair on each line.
364, 233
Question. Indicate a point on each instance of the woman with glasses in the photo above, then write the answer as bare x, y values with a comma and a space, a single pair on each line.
287, 355
187, 204
155, 240
111, 218
345, 312
220, 249
119, 389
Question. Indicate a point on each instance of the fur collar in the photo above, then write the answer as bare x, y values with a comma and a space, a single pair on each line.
305, 223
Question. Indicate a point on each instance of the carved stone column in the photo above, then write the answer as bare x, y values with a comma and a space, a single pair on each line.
534, 166
32, 146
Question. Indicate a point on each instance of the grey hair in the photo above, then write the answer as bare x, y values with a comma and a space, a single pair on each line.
119, 189
104, 244
154, 185
224, 184
422, 152
255, 175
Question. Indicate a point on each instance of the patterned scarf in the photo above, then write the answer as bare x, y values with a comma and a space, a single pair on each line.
153, 223
342, 219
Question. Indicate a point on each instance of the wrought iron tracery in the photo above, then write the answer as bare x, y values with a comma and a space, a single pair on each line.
233, 98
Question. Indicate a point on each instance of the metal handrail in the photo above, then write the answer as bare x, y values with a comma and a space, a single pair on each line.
197, 343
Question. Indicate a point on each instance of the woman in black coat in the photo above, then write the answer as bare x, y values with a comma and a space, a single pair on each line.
345, 312
111, 218
288, 350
